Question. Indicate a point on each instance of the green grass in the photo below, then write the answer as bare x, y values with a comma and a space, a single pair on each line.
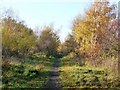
73, 75
82, 77
31, 72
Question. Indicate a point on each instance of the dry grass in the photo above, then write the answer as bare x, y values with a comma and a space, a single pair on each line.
39, 66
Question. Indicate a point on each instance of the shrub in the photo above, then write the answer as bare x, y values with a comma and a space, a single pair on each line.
30, 72
5, 63
37, 56
71, 55
39, 67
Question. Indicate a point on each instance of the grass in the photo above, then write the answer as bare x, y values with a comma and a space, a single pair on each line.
73, 75
31, 72
82, 77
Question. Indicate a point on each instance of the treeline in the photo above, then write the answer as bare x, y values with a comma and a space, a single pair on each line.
93, 41
94, 38
20, 41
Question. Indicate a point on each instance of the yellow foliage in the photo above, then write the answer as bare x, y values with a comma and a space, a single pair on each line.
90, 31
39, 66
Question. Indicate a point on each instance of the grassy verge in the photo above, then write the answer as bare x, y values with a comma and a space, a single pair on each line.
82, 77
32, 72
73, 75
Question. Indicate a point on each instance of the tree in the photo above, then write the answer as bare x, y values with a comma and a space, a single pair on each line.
69, 45
91, 32
48, 41
17, 39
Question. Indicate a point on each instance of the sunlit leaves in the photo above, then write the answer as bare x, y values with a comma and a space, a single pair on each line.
16, 38
92, 32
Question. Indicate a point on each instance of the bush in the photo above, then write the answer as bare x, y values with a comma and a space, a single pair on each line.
37, 56
5, 63
18, 68
39, 67
31, 72
72, 59
114, 80
71, 55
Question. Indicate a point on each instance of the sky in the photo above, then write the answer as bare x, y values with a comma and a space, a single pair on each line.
37, 13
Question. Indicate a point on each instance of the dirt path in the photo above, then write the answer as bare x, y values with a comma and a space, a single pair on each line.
54, 81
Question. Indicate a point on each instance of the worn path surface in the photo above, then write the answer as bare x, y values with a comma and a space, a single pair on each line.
54, 81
